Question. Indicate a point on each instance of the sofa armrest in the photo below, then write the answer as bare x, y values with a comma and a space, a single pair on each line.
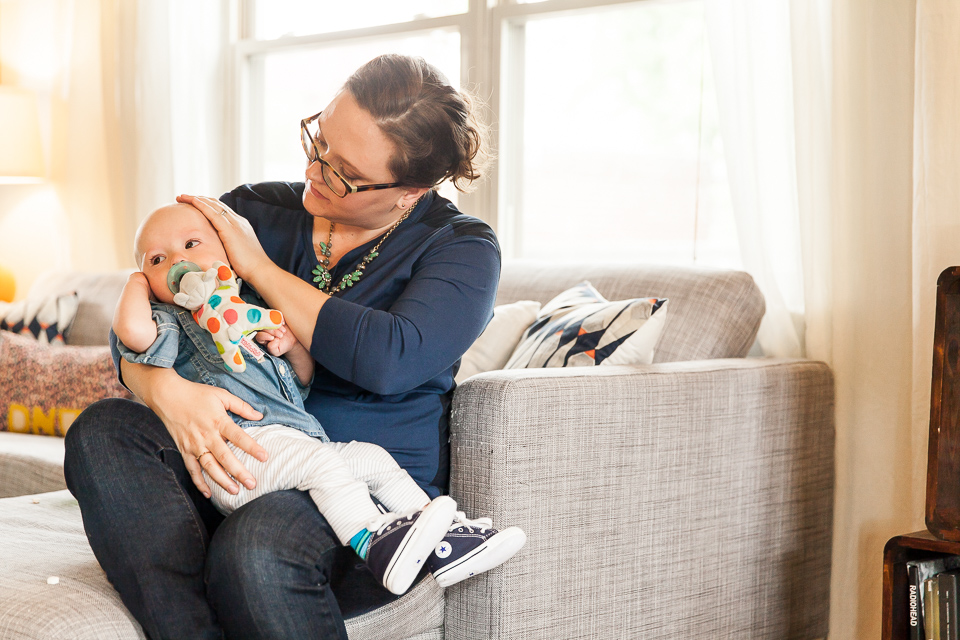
673, 500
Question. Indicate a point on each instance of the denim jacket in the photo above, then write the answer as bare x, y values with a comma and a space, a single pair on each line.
268, 384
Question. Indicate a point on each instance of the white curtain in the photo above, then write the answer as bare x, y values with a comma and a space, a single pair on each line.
132, 96
936, 192
771, 61
53, 48
170, 86
750, 51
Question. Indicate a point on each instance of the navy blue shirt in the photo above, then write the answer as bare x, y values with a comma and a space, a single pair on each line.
387, 348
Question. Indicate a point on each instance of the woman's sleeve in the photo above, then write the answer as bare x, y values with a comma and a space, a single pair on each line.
441, 312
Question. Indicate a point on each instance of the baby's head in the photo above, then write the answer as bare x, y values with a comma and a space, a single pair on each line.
171, 234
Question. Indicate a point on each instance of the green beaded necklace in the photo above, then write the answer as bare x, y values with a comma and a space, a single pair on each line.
322, 270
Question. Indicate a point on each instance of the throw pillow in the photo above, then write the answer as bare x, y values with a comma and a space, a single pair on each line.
44, 388
581, 328
44, 319
497, 342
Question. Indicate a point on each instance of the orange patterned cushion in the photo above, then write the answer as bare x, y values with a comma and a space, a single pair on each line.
44, 388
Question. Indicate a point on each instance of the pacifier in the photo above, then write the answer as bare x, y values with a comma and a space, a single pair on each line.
176, 273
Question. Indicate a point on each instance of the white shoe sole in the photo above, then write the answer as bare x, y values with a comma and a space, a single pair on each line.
424, 535
488, 555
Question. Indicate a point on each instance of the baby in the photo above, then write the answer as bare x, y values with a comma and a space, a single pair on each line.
340, 477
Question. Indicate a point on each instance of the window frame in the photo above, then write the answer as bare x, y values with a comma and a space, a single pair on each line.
492, 43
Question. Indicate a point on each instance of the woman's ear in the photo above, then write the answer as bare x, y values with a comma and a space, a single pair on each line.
409, 197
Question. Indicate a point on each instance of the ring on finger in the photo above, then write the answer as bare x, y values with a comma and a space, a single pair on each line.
223, 211
201, 455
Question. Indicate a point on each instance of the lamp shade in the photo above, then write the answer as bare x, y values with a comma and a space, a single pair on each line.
21, 155
8, 285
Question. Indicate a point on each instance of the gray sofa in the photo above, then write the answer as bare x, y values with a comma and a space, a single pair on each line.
692, 497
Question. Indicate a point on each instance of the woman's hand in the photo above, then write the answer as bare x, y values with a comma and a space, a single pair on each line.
196, 416
244, 250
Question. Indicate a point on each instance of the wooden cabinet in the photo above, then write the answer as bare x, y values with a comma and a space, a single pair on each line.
921, 545
943, 466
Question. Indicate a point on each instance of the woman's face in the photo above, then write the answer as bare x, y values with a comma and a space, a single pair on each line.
354, 145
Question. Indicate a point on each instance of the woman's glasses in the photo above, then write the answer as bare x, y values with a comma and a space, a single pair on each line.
337, 183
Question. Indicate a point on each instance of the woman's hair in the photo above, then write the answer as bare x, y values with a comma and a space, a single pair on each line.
433, 125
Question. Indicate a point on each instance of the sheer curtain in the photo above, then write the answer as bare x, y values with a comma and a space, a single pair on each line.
132, 96
53, 48
170, 80
772, 66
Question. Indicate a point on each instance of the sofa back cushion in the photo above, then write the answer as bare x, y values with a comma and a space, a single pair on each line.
98, 294
713, 313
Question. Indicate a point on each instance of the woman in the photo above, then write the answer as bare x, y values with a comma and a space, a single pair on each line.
387, 285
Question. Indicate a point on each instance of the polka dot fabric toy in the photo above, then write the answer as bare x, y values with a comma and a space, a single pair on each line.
226, 316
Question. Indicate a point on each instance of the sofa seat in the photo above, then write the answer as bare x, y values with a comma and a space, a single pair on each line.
43, 538
30, 464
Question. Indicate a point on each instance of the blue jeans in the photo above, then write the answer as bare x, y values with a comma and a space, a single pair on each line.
272, 569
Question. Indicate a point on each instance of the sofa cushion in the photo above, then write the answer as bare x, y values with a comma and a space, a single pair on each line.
97, 294
581, 328
495, 345
30, 467
44, 319
44, 388
43, 538
714, 313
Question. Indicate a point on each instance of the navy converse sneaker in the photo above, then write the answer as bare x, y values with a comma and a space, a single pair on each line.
400, 545
472, 547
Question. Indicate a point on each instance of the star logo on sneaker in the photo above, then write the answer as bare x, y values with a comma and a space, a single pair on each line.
443, 549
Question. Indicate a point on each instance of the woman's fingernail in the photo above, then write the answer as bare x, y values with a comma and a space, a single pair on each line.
206, 494
250, 484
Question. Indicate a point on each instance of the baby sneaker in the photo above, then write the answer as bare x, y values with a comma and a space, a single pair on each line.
400, 545
471, 547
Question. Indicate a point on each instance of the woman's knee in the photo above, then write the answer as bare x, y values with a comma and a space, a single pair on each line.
104, 430
103, 420
278, 538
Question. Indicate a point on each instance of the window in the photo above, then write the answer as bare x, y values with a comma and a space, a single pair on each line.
284, 95
607, 138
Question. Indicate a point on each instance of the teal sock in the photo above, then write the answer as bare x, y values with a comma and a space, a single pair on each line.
360, 542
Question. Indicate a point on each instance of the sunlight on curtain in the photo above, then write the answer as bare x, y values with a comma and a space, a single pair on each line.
53, 47
751, 49
171, 87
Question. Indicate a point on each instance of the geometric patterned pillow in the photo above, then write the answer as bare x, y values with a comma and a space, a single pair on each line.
44, 388
45, 319
581, 328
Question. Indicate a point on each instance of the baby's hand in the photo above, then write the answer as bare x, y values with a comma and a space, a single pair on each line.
276, 341
139, 279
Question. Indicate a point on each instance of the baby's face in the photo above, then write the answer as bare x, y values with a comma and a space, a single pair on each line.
172, 234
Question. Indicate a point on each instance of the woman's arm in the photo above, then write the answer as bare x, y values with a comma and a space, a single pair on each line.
299, 301
133, 319
443, 309
196, 417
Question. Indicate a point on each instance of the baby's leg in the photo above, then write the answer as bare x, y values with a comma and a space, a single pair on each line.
387, 481
469, 548
297, 461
